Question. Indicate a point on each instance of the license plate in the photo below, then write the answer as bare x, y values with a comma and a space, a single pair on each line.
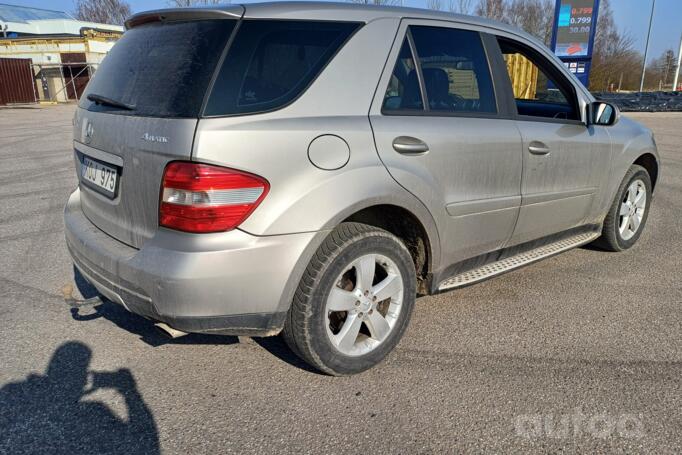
100, 176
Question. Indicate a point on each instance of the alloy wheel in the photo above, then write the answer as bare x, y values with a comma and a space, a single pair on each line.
364, 305
632, 209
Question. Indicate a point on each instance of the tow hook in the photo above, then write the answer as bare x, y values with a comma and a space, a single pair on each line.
67, 292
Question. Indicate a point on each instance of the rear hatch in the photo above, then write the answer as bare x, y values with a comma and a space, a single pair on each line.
140, 111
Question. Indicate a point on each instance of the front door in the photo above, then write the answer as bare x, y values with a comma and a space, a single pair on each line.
564, 160
441, 134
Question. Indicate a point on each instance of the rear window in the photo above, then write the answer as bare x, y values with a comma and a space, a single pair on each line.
270, 63
160, 69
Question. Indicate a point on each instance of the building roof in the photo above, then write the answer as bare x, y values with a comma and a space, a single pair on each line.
22, 21
23, 14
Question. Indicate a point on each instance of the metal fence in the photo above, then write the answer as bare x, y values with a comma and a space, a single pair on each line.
62, 82
22, 81
16, 83
644, 101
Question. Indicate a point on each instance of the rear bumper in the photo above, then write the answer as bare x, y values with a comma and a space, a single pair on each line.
228, 283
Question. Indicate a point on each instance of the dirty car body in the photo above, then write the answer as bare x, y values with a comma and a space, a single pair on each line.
324, 114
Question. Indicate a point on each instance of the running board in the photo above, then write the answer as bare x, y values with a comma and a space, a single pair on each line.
516, 261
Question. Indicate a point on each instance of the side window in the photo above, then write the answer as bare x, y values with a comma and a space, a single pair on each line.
271, 62
454, 70
403, 91
538, 90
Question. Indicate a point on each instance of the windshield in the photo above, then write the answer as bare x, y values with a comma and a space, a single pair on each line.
159, 69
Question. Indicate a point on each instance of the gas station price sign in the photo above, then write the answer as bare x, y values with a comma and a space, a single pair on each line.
574, 27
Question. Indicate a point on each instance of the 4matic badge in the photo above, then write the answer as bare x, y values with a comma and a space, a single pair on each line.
151, 138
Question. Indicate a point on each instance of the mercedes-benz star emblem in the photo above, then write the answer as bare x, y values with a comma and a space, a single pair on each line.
89, 131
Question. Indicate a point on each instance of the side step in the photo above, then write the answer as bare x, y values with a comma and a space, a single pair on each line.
514, 262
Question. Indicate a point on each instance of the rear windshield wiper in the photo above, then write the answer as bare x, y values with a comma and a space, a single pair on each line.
99, 99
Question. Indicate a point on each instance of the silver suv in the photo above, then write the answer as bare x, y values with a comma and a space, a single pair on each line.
311, 168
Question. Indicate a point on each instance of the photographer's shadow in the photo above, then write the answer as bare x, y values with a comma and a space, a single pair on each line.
51, 414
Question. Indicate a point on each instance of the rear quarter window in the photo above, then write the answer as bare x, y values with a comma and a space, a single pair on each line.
271, 62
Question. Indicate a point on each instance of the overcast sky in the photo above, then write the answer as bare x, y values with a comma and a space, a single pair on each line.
631, 15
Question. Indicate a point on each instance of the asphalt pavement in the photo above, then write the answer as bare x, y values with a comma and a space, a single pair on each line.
578, 353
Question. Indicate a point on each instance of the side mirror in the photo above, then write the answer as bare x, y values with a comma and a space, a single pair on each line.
604, 114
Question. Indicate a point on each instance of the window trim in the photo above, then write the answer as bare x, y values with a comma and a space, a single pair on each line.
216, 71
202, 114
503, 112
418, 68
503, 87
548, 67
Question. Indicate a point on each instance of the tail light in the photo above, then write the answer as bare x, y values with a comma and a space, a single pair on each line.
203, 198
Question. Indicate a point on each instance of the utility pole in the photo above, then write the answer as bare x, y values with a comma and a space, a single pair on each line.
679, 61
646, 49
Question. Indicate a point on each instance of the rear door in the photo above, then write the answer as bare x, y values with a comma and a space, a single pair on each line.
140, 111
444, 136
564, 160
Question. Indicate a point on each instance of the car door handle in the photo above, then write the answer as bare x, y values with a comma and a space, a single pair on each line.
408, 145
538, 148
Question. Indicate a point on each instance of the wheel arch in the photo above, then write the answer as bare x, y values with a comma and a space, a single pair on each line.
649, 162
394, 202
407, 226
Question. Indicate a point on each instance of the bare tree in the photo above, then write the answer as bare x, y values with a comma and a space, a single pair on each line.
102, 11
187, 3
669, 64
614, 60
492, 9
533, 16
378, 2
460, 6
434, 4
454, 6
660, 70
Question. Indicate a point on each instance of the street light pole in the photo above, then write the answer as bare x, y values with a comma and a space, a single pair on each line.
679, 61
646, 49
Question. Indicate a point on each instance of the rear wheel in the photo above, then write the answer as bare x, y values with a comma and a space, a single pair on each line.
354, 300
628, 214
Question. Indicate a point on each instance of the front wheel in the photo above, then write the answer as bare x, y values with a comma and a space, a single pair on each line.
628, 214
354, 300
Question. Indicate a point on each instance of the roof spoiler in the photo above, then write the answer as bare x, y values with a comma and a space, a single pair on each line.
185, 14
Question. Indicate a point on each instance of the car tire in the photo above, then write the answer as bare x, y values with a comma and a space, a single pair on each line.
335, 299
618, 233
